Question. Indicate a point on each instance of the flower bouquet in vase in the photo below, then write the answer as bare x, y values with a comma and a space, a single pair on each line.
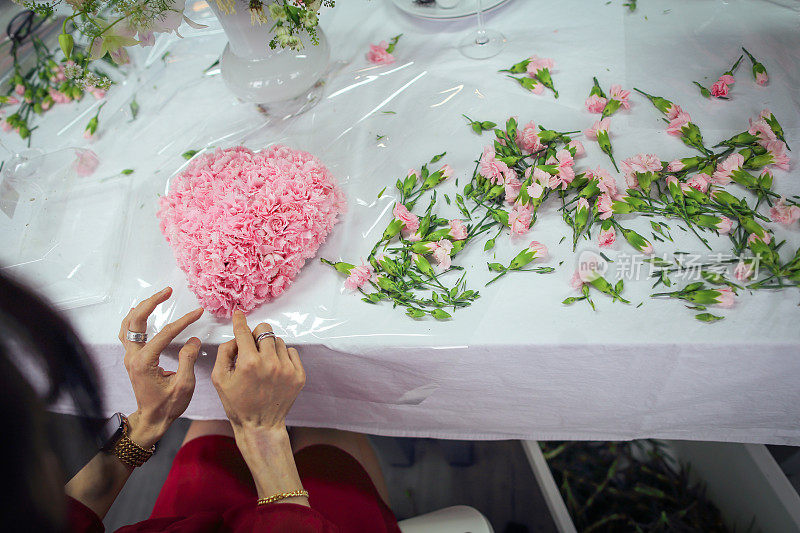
276, 56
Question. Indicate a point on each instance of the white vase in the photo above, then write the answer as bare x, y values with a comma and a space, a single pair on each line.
282, 81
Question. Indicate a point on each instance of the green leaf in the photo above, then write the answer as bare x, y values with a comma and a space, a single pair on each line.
497, 267
440, 314
708, 317
382, 191
413, 312
489, 245
437, 157
127, 171
572, 299
188, 154
134, 107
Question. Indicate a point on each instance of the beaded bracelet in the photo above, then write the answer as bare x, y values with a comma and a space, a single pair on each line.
282, 496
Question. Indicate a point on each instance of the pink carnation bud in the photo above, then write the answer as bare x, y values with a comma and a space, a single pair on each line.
719, 89
726, 297
378, 55
724, 225
606, 237
359, 276
743, 271
539, 248
675, 166
595, 104
457, 230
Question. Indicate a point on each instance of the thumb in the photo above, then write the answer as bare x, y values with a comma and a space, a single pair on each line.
186, 359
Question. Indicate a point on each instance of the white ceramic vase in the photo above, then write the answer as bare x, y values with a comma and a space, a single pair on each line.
283, 82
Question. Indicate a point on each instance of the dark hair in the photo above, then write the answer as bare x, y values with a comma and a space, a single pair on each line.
35, 337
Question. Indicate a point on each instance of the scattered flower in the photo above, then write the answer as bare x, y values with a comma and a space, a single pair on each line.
784, 213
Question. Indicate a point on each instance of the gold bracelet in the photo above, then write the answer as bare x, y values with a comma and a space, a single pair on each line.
128, 451
282, 496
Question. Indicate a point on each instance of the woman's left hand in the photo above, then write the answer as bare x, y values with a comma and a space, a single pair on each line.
161, 395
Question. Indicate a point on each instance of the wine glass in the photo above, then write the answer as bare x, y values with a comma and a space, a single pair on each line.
482, 43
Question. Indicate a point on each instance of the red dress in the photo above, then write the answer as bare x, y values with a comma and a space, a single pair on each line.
210, 489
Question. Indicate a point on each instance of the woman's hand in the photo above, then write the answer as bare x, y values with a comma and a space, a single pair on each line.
161, 396
257, 384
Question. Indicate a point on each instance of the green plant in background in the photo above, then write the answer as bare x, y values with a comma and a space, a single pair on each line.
629, 486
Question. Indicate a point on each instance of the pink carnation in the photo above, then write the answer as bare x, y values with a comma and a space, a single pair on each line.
580, 151
359, 276
86, 162
595, 104
766, 239
606, 237
618, 93
538, 88
441, 252
512, 188
242, 224
719, 89
725, 225
777, 149
726, 297
675, 166
604, 206
519, 220
674, 111
457, 230
761, 129
410, 220
743, 271
528, 138
377, 54
698, 182
538, 63
447, 171
597, 127
784, 213
605, 181
762, 78
639, 164
12, 100
539, 248
576, 282
722, 174
19, 89
676, 124
727, 79
491, 168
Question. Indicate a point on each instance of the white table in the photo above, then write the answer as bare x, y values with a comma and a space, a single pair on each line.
517, 364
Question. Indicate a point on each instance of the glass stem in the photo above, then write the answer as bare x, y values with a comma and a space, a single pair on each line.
480, 36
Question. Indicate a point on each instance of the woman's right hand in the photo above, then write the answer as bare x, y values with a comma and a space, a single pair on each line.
257, 384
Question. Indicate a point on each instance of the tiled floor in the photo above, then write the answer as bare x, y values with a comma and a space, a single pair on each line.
499, 482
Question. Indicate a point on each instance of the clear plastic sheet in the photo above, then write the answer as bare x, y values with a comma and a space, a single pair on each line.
516, 363
64, 232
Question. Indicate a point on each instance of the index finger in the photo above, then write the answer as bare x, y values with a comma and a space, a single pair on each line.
154, 348
140, 314
244, 337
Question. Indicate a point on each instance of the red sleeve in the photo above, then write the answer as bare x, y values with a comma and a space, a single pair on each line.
277, 518
81, 519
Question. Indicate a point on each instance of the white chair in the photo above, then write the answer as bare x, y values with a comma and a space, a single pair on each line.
456, 519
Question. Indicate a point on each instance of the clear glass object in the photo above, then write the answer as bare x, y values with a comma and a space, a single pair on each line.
484, 42
283, 82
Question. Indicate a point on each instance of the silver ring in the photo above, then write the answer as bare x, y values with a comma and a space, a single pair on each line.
135, 336
265, 335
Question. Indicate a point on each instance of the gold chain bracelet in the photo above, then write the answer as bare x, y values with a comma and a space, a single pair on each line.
282, 496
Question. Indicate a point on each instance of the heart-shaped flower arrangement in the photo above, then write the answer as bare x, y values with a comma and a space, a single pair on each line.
243, 223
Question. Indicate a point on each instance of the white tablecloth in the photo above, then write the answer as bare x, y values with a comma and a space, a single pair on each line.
518, 364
